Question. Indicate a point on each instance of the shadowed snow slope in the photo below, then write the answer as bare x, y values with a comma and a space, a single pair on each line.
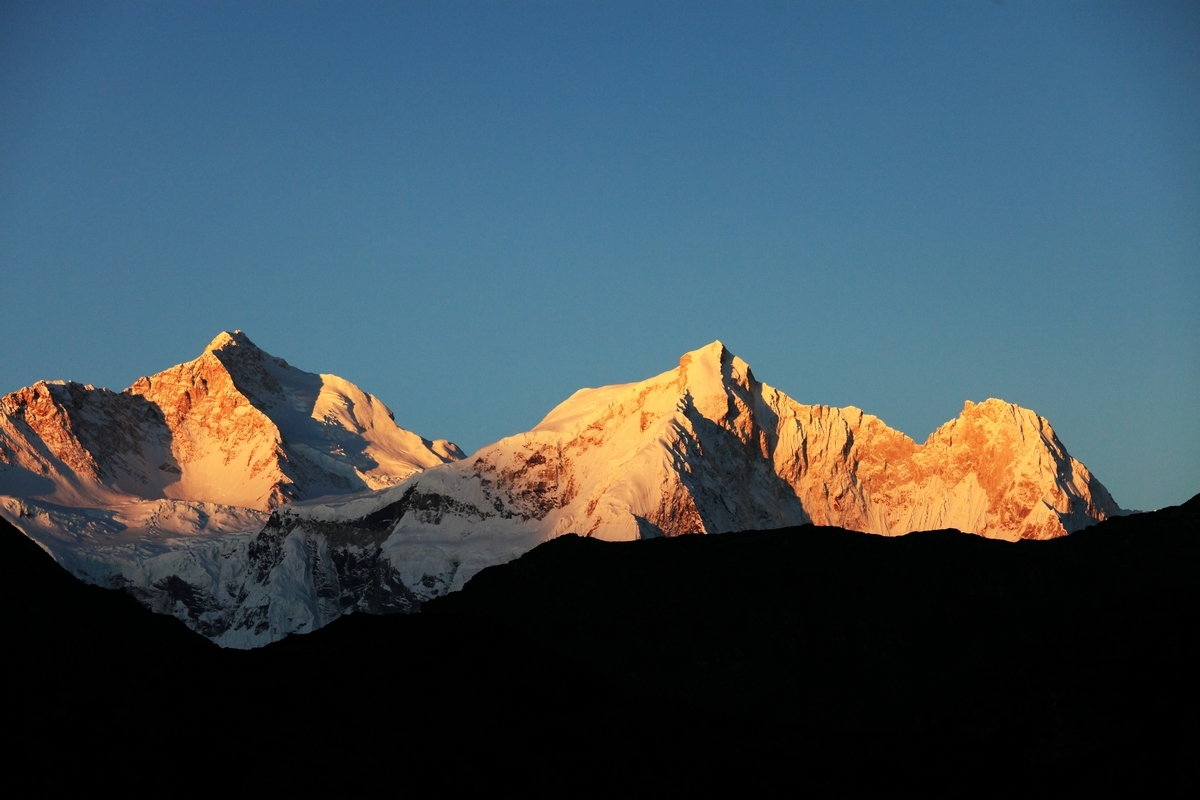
703, 448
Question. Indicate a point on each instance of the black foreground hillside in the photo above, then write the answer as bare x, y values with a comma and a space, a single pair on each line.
832, 659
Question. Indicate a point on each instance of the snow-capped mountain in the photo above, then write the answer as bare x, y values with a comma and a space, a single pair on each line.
702, 448
235, 427
706, 448
162, 485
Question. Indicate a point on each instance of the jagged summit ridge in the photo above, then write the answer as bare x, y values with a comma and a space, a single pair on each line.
707, 448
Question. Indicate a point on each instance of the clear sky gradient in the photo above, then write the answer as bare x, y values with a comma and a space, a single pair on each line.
472, 210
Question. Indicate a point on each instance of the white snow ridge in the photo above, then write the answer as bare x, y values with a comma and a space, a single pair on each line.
702, 448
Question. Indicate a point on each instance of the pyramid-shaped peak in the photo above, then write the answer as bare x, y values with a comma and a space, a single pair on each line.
248, 365
712, 355
226, 339
712, 369
714, 350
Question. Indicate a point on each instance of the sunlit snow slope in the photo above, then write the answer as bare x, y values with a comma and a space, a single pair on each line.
702, 448
203, 447
706, 448
235, 427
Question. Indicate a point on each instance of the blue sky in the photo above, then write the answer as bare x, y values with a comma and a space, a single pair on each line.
473, 209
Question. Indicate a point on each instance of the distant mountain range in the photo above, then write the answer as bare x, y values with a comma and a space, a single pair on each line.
252, 499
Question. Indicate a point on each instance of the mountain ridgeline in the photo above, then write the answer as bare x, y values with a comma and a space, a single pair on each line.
252, 499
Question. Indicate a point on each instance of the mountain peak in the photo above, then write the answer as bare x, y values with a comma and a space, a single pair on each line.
1001, 412
991, 402
225, 339
714, 353
234, 426
712, 371
707, 360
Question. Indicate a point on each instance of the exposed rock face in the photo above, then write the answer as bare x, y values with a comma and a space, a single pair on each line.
998, 470
702, 448
283, 579
706, 448
68, 433
236, 426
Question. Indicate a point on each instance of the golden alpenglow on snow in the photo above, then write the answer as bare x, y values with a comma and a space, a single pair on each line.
236, 427
706, 448
110, 483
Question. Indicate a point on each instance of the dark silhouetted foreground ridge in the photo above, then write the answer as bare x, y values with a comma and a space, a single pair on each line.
839, 661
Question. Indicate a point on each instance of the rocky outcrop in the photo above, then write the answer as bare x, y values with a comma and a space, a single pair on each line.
56, 429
